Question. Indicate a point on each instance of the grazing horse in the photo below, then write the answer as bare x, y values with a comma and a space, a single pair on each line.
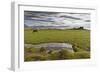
35, 30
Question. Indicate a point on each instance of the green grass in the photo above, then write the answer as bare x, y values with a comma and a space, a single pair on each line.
36, 55
80, 38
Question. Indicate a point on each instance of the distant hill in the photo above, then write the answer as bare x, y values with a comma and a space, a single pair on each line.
50, 27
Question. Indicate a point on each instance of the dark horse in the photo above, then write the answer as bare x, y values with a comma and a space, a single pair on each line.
34, 30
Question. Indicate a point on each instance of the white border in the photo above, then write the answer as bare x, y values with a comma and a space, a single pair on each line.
18, 38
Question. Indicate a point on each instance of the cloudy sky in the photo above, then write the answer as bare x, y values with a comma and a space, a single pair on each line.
72, 20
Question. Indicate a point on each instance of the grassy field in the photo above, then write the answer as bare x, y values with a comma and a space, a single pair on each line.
79, 38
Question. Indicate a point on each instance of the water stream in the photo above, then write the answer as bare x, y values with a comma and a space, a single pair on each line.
50, 46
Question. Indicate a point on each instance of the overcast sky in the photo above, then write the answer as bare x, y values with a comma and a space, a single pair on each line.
34, 18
